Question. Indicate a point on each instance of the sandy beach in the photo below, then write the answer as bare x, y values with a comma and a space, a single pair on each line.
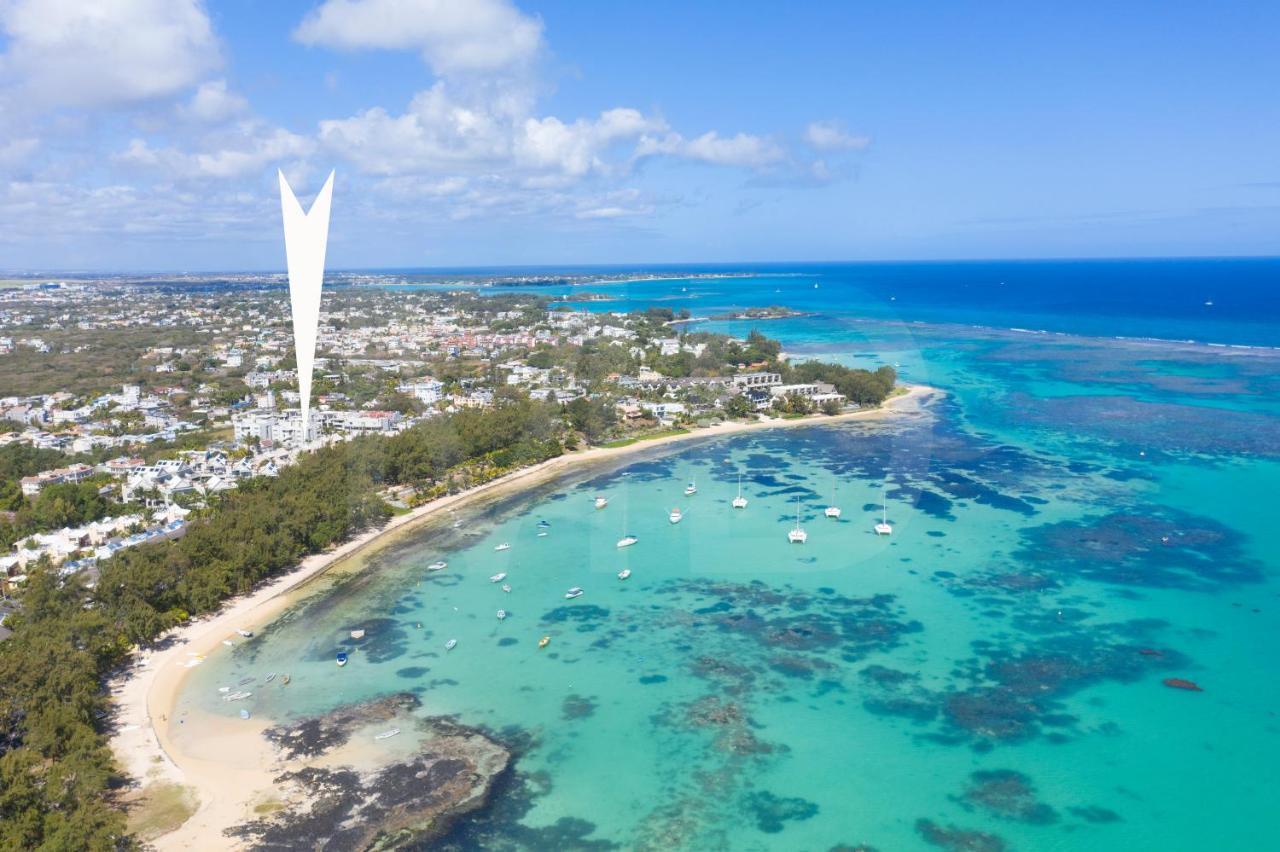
234, 767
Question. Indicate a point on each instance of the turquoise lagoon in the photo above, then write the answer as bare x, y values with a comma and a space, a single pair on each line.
1078, 519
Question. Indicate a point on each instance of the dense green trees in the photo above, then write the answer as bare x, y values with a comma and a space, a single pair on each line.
66, 504
860, 386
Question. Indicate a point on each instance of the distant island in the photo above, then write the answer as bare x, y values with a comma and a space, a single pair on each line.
771, 312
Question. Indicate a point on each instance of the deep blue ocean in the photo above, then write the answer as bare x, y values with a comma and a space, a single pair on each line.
1219, 300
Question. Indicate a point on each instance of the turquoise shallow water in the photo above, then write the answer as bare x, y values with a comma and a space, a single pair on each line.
1079, 519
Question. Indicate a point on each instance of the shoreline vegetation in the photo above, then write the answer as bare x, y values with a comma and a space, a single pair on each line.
232, 781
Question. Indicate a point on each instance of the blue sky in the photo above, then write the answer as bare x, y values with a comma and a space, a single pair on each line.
146, 135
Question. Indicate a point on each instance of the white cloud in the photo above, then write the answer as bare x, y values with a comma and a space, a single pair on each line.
213, 103
453, 37
440, 133
101, 54
240, 151
831, 136
742, 149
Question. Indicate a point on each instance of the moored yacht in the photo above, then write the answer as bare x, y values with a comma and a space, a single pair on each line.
832, 511
884, 527
627, 541
691, 488
797, 534
675, 516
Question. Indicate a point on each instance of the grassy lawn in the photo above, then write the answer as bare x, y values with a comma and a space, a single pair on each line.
626, 442
163, 807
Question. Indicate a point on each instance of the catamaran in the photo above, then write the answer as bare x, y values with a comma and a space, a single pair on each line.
739, 502
884, 527
797, 535
833, 511
627, 538
675, 516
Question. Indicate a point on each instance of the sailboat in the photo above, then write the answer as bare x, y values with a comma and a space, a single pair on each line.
739, 502
627, 538
884, 527
675, 516
833, 511
797, 535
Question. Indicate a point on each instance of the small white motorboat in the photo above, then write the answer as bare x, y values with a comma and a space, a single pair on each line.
542, 534
627, 541
386, 735
502, 613
357, 634
499, 577
224, 689
575, 592
601, 502
503, 546
244, 714
228, 643
675, 516
451, 644
624, 573
438, 566
506, 587
341, 659
691, 489
248, 634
